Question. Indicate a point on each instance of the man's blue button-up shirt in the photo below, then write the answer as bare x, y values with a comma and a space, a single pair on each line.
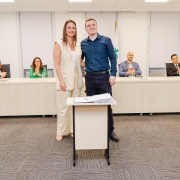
97, 54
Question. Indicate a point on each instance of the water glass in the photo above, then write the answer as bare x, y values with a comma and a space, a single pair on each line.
43, 75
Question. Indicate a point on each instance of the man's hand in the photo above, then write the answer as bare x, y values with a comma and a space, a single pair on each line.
112, 80
130, 71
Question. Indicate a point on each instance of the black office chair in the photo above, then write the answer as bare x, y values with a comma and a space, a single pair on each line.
118, 70
167, 67
7, 67
45, 67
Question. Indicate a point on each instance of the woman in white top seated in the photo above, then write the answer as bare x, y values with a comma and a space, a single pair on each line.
69, 82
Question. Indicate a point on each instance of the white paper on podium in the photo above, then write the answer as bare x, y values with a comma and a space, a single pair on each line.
101, 98
83, 99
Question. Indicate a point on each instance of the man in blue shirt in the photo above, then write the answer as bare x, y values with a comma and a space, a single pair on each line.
98, 51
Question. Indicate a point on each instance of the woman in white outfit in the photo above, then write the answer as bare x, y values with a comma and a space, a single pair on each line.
69, 82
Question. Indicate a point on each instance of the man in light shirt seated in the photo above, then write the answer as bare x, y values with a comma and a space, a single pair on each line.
129, 68
173, 68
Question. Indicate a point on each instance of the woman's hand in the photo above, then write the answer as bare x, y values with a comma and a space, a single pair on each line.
36, 72
62, 86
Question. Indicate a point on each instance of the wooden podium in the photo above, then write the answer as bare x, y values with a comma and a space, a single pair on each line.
90, 126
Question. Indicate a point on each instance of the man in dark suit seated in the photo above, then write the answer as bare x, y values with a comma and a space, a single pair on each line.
173, 69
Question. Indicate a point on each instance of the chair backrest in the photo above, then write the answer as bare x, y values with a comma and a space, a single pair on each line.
118, 69
7, 67
45, 66
167, 67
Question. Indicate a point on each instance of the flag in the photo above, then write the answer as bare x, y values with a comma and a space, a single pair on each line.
116, 46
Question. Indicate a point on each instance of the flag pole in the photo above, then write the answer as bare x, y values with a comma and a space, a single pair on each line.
115, 24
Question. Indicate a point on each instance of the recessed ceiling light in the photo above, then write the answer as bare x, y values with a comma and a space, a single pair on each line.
80, 0
156, 1
6, 1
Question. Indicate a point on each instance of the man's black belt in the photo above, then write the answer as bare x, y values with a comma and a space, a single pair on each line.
98, 73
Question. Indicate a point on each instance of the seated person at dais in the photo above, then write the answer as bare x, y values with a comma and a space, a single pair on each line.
2, 71
37, 70
173, 68
129, 68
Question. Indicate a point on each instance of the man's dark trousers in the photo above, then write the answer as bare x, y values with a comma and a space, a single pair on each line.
99, 84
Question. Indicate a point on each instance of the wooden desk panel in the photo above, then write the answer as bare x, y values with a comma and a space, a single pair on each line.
26, 96
153, 95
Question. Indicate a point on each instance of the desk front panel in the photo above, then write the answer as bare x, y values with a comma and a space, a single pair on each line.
154, 95
91, 127
27, 98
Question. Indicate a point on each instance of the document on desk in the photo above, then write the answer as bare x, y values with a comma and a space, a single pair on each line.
101, 98
143, 78
87, 99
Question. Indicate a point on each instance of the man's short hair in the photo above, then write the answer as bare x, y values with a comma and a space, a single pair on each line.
90, 19
173, 55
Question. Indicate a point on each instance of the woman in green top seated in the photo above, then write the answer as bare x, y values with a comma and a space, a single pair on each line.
37, 70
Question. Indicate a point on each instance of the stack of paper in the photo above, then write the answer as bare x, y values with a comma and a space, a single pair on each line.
101, 98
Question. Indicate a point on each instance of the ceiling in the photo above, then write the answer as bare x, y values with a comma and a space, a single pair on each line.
95, 5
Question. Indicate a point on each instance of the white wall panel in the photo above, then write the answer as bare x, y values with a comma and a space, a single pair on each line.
9, 43
36, 36
164, 37
133, 36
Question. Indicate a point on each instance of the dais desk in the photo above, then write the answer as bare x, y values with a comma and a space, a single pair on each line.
27, 96
146, 95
